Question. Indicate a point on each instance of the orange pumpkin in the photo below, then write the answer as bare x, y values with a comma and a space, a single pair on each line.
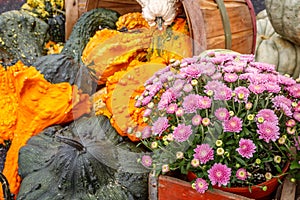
122, 88
30, 104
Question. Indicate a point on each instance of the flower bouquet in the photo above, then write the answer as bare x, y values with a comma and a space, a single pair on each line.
229, 120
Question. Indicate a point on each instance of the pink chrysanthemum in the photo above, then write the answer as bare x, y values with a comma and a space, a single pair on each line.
233, 124
242, 94
223, 93
182, 132
204, 102
294, 90
193, 70
268, 115
187, 88
146, 160
147, 112
263, 66
246, 148
284, 80
286, 109
216, 76
146, 132
204, 153
230, 77
280, 99
172, 108
257, 88
146, 100
222, 114
154, 88
241, 174
272, 87
201, 185
219, 174
268, 131
196, 120
296, 116
178, 85
209, 69
213, 85
166, 98
191, 103
160, 125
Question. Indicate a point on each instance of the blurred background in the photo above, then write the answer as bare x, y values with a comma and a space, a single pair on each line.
6, 5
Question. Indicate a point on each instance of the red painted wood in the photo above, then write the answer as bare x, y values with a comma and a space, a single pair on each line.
170, 188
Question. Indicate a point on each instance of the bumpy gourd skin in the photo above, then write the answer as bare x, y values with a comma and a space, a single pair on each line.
164, 9
28, 105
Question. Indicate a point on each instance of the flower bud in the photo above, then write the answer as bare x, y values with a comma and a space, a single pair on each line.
195, 162
231, 113
257, 161
219, 143
290, 123
264, 188
260, 119
194, 82
248, 105
165, 168
179, 155
205, 121
154, 145
209, 93
291, 130
220, 151
277, 159
250, 117
268, 175
281, 140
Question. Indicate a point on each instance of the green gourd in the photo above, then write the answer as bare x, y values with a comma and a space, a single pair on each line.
22, 37
85, 160
86, 27
274, 49
284, 17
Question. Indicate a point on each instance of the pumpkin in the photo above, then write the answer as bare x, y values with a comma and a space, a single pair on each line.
28, 105
284, 17
85, 28
84, 160
128, 84
131, 21
159, 9
22, 37
272, 48
109, 51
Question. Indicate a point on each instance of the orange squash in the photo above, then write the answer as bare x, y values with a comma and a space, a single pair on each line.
131, 21
109, 51
122, 88
30, 104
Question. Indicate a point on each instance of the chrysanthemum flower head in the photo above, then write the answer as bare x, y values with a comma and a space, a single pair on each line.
241, 174
182, 132
246, 148
204, 153
219, 174
233, 124
201, 185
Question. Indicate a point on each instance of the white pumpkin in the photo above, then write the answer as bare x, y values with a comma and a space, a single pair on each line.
274, 49
155, 10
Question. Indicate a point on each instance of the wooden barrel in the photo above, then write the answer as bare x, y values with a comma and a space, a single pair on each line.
226, 24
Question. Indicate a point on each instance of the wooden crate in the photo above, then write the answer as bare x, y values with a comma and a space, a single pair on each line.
213, 24
166, 188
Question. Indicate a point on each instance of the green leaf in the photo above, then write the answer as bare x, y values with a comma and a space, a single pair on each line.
241, 161
295, 165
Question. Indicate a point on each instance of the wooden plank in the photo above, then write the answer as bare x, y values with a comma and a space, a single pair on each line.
288, 190
175, 189
72, 15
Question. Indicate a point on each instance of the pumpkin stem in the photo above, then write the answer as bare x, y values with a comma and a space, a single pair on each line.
5, 188
74, 143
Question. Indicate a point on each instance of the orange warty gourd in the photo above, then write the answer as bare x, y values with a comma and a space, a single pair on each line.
109, 51
28, 105
122, 88
125, 60
131, 21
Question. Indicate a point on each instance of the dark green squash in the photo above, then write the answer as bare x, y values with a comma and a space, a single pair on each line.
22, 37
86, 27
58, 68
85, 160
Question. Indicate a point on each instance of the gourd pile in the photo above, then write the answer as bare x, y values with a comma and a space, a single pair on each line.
278, 36
67, 115
59, 97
